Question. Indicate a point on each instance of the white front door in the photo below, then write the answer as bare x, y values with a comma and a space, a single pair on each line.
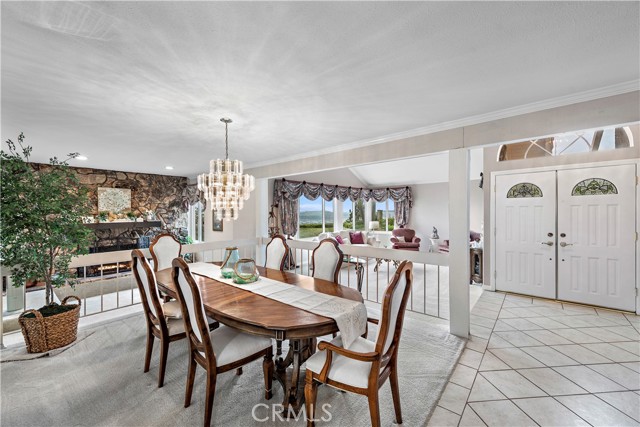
596, 236
525, 233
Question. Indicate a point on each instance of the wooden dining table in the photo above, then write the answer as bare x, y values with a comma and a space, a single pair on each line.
259, 315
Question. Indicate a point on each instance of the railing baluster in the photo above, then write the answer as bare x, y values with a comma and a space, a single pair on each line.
424, 288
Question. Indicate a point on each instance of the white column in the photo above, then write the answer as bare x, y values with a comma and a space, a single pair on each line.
459, 242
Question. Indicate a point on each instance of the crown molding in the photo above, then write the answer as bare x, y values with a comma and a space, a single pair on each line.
533, 107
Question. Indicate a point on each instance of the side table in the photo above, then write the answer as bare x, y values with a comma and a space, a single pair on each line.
475, 267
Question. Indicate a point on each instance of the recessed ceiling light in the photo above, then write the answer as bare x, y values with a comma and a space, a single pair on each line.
169, 168
82, 158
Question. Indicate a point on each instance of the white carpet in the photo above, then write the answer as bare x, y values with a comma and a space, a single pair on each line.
99, 381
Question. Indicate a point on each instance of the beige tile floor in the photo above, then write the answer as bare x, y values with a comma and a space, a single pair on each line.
538, 362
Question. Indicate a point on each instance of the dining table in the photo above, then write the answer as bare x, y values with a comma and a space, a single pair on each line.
258, 315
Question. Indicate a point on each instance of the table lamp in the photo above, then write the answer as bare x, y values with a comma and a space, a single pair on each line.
374, 225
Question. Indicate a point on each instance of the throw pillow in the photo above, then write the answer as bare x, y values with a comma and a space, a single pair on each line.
356, 238
339, 239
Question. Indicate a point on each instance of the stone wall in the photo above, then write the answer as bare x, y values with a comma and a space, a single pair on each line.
168, 197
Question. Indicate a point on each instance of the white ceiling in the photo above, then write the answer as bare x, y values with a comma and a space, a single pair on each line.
140, 85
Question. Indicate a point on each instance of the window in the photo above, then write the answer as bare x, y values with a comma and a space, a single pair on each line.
384, 213
310, 218
195, 221
327, 208
353, 215
347, 215
569, 143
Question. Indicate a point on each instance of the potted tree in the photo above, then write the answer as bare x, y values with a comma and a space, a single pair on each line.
41, 210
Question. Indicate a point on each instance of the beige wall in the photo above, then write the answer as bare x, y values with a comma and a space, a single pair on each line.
431, 209
612, 110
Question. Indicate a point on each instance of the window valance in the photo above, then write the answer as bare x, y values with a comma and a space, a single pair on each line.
286, 195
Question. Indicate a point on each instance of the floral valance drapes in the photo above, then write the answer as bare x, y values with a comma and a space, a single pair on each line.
287, 193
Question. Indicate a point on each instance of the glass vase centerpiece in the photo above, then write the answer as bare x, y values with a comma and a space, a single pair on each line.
231, 257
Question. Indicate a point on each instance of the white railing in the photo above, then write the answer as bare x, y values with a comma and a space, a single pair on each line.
370, 269
105, 281
367, 269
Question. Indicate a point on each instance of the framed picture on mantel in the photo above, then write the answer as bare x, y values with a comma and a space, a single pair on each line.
217, 223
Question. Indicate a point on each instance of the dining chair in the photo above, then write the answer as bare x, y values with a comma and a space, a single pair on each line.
163, 320
327, 260
277, 250
366, 365
164, 248
219, 351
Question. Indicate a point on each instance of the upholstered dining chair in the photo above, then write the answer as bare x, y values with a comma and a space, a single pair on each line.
219, 351
327, 260
366, 365
163, 320
277, 250
164, 248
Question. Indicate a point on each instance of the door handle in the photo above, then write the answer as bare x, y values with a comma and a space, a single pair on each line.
563, 244
549, 243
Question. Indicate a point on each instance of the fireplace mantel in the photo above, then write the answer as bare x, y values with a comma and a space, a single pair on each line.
126, 225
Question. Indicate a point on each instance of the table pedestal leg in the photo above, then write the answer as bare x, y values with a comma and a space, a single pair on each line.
290, 379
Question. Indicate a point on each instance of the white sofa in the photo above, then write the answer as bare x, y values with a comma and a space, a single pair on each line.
344, 234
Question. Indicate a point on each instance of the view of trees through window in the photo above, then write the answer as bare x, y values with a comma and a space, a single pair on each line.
195, 222
311, 222
353, 211
383, 212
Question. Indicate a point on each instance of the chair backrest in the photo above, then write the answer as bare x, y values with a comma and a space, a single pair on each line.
277, 250
406, 234
146, 281
195, 319
164, 248
394, 303
327, 260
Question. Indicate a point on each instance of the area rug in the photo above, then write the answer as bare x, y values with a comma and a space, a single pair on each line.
99, 381
19, 353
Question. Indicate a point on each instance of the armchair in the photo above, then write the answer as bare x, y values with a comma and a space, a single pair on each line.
405, 238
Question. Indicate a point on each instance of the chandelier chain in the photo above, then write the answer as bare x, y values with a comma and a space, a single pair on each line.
226, 139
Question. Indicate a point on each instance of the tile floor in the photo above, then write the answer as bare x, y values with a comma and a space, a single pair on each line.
538, 362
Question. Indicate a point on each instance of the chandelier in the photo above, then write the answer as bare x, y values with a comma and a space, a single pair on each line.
225, 187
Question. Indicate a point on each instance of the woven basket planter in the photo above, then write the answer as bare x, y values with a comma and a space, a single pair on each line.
46, 333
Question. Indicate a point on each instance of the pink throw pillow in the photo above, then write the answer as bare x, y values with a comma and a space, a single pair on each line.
356, 238
339, 239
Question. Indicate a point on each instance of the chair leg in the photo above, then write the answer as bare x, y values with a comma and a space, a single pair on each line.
310, 395
208, 401
278, 347
191, 374
164, 350
147, 356
239, 371
268, 368
395, 393
374, 408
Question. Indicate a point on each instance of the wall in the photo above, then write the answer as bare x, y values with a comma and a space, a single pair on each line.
167, 196
492, 165
431, 209
494, 128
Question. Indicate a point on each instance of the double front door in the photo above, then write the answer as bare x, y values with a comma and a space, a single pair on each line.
568, 234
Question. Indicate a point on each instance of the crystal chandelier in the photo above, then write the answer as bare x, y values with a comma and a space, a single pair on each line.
225, 187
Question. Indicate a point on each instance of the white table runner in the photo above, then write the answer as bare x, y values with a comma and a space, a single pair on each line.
350, 316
